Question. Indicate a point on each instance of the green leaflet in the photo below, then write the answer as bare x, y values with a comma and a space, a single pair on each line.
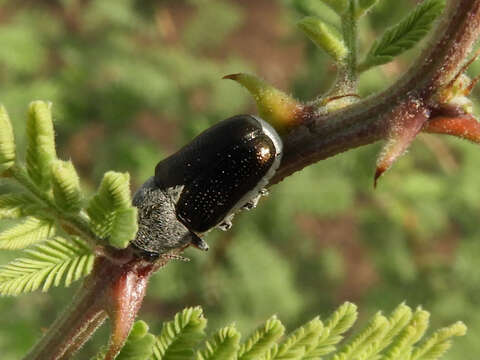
398, 321
41, 143
139, 345
261, 340
404, 35
16, 205
112, 217
301, 341
20, 233
402, 344
7, 141
180, 336
223, 345
325, 36
66, 186
51, 263
365, 340
337, 324
439, 342
363, 6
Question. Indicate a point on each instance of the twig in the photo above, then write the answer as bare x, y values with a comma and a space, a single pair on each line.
367, 121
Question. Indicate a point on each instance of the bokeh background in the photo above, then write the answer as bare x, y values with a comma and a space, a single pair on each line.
132, 80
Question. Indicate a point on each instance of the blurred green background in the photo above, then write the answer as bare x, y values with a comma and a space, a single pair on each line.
132, 80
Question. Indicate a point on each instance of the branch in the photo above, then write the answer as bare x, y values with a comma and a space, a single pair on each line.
367, 121
115, 288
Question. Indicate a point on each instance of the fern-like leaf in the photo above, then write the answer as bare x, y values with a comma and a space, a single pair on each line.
363, 6
180, 336
223, 346
438, 343
261, 340
41, 143
16, 205
139, 345
66, 186
7, 142
398, 334
397, 322
111, 214
47, 264
300, 342
404, 35
401, 345
365, 340
20, 233
336, 325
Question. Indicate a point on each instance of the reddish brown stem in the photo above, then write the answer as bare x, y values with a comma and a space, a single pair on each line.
465, 127
114, 287
367, 121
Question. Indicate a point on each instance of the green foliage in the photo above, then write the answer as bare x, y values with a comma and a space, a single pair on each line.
313, 340
404, 35
20, 233
66, 186
45, 201
223, 345
139, 345
41, 143
325, 36
335, 326
7, 142
258, 344
363, 6
16, 205
50, 263
181, 335
434, 347
111, 214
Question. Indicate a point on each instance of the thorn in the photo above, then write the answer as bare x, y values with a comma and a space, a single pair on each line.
406, 123
463, 69
124, 301
473, 83
274, 106
378, 172
464, 127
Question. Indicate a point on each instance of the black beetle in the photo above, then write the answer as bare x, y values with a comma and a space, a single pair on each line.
202, 186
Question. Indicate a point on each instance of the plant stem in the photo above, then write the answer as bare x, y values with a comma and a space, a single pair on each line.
346, 82
80, 319
367, 121
115, 288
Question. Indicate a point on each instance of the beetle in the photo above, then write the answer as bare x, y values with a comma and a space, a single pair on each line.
223, 170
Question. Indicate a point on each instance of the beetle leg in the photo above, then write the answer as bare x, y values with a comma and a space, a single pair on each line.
198, 242
252, 203
174, 257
